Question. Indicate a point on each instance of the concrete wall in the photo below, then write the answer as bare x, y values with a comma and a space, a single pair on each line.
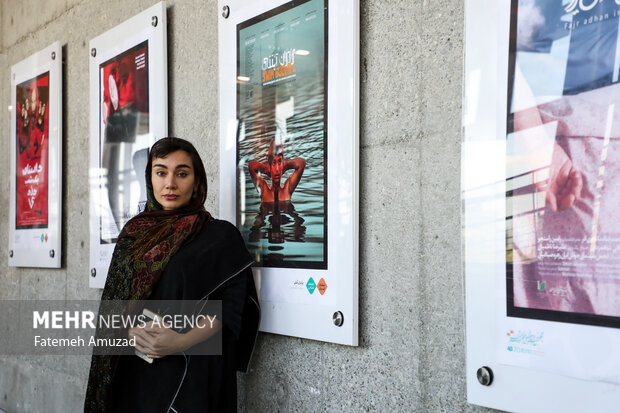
411, 354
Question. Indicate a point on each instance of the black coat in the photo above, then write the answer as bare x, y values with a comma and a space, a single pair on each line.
214, 266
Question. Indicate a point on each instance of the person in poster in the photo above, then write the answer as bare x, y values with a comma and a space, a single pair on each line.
566, 254
125, 128
32, 121
275, 167
281, 95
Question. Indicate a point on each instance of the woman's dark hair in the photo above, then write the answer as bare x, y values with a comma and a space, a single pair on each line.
165, 147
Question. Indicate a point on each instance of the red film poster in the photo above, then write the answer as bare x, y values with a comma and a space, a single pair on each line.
124, 137
32, 112
125, 86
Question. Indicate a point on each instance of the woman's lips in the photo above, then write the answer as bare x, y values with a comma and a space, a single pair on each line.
170, 197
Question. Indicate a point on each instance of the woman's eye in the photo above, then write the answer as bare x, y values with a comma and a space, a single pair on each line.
160, 173
182, 174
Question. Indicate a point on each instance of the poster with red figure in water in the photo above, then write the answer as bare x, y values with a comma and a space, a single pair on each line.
32, 116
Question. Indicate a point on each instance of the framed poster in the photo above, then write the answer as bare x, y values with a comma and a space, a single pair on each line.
290, 186
541, 235
129, 112
36, 160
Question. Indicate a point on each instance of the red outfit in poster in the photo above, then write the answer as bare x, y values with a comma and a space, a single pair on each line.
275, 168
32, 153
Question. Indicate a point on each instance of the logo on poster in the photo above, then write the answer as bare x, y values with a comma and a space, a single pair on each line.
526, 342
278, 66
103, 256
575, 6
311, 285
542, 287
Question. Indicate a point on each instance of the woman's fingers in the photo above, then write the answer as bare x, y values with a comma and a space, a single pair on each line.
143, 340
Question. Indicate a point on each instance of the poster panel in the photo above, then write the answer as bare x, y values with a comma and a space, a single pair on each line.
32, 119
278, 89
128, 113
124, 134
564, 229
35, 220
540, 225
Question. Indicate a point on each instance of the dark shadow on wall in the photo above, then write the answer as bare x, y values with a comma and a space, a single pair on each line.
65, 163
171, 53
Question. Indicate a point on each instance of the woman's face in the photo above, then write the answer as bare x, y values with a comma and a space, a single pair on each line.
173, 180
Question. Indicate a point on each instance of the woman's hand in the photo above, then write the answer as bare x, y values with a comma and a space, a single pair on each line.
564, 184
157, 341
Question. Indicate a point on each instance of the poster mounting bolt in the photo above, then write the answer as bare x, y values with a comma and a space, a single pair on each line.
338, 318
93, 52
225, 12
154, 21
485, 375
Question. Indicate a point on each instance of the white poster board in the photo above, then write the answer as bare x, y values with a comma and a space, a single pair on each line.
128, 113
533, 315
289, 153
35, 217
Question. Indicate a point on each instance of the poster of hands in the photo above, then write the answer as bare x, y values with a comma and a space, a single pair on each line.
541, 235
36, 159
564, 230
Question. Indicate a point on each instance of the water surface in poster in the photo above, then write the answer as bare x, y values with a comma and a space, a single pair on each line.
124, 138
282, 135
563, 162
32, 120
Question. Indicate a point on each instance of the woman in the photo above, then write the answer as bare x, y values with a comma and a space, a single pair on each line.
175, 250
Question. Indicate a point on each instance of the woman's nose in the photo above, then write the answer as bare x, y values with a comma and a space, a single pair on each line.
171, 182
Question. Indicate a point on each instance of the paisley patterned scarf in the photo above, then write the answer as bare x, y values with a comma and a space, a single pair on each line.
143, 249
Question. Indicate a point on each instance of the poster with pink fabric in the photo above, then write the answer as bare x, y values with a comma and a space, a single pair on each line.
563, 162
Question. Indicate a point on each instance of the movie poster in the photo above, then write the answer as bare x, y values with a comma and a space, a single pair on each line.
32, 117
563, 162
124, 138
282, 135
